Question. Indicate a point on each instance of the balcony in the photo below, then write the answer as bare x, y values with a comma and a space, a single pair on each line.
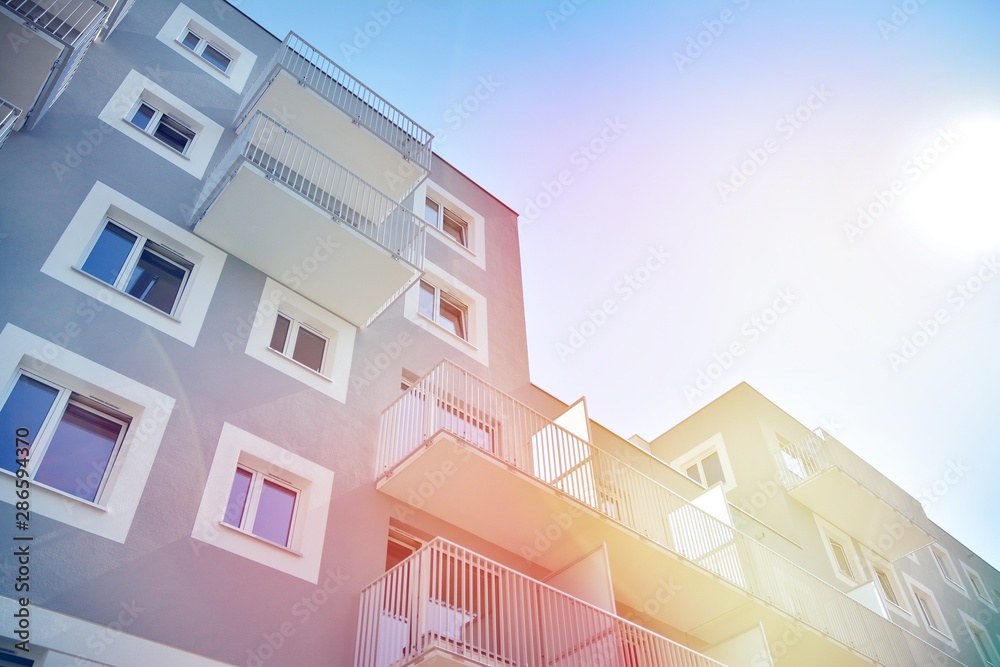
119, 8
463, 451
841, 487
445, 606
46, 40
283, 206
8, 117
315, 98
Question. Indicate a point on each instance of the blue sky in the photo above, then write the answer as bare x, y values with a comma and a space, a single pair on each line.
821, 175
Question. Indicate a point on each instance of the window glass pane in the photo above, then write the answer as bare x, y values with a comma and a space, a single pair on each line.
142, 116
693, 473
191, 40
238, 498
280, 334
26, 407
173, 134
216, 57
431, 213
79, 453
156, 280
712, 466
841, 556
274, 513
454, 226
452, 318
426, 305
883, 580
309, 349
108, 257
793, 464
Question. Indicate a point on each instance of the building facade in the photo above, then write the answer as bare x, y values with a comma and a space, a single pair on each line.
265, 401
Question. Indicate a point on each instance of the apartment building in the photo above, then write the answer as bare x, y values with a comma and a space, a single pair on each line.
266, 400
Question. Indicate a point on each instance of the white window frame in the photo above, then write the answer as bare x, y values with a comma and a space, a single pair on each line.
302, 556
923, 594
204, 43
65, 263
252, 503
474, 249
158, 118
444, 212
985, 647
141, 243
184, 19
149, 410
476, 345
119, 110
946, 568
442, 296
41, 441
830, 534
340, 335
902, 604
978, 586
695, 455
291, 339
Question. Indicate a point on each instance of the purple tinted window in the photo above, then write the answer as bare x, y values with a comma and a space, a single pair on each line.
238, 498
80, 452
274, 513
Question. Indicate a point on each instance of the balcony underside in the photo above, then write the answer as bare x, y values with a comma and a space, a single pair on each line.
279, 232
332, 131
24, 70
469, 488
859, 512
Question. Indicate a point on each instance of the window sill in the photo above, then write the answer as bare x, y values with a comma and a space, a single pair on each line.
260, 539
452, 243
172, 318
452, 335
299, 364
60, 492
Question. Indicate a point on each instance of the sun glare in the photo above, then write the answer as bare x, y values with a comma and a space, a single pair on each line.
955, 202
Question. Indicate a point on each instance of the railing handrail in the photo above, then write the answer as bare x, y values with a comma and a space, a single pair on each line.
322, 181
817, 446
847, 621
330, 71
480, 563
69, 15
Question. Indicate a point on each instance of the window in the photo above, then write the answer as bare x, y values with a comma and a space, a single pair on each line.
983, 644
400, 546
885, 584
793, 464
210, 53
707, 471
448, 221
929, 611
170, 131
297, 341
947, 568
73, 440
261, 505
447, 311
133, 264
978, 587
841, 557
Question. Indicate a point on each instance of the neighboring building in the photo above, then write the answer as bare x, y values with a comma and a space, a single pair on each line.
268, 352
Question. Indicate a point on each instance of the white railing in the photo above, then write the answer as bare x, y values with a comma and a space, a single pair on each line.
70, 21
453, 400
446, 597
285, 157
8, 117
366, 107
817, 452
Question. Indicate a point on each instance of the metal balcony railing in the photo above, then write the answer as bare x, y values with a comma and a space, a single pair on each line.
810, 456
453, 400
366, 107
286, 158
8, 116
72, 22
446, 597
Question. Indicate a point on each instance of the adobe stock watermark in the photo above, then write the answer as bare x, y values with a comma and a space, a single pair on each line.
750, 332
365, 34
545, 538
911, 344
376, 364
899, 16
913, 169
581, 160
624, 289
786, 127
701, 41
562, 12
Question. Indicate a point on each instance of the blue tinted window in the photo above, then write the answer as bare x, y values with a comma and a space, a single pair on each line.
109, 254
79, 453
156, 280
27, 407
